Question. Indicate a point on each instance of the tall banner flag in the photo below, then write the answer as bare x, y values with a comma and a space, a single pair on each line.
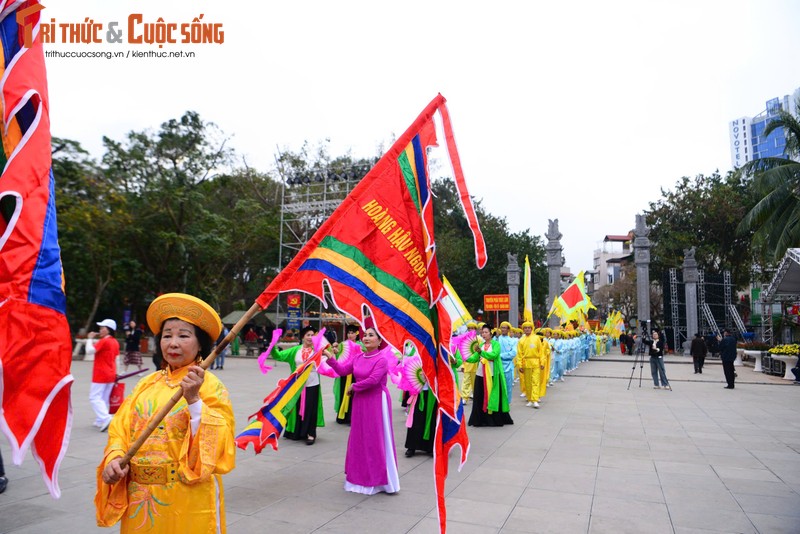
377, 252
459, 316
35, 341
527, 312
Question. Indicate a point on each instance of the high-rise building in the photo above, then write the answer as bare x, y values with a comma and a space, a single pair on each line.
748, 142
608, 260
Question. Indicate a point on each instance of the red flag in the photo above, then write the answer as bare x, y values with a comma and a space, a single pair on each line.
377, 251
574, 300
35, 341
572, 296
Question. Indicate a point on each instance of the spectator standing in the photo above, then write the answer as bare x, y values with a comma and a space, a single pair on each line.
104, 372
657, 370
698, 350
629, 341
219, 361
3, 479
727, 348
133, 338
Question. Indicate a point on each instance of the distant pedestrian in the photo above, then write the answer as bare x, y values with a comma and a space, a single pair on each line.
727, 347
158, 360
3, 479
630, 339
219, 362
104, 372
698, 351
133, 338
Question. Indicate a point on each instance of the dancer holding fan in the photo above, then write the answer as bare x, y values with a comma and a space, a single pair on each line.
491, 404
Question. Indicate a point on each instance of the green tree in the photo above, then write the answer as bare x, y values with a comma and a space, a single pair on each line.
775, 216
703, 213
165, 175
92, 215
456, 252
244, 222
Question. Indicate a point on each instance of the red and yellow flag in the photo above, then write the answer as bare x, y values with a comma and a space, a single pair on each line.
573, 301
35, 341
377, 252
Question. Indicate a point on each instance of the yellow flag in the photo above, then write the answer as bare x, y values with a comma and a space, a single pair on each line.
458, 313
527, 314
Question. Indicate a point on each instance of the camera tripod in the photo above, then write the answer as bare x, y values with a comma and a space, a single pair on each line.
638, 356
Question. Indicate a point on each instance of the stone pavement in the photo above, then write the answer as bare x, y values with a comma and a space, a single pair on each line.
597, 457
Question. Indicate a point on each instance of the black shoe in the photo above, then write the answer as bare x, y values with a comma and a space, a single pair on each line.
728, 387
3, 484
409, 453
310, 440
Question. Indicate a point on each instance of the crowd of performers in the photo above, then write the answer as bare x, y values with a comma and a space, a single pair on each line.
535, 359
182, 460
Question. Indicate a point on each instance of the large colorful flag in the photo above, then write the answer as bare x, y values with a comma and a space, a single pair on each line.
573, 302
268, 423
35, 341
377, 252
527, 312
459, 316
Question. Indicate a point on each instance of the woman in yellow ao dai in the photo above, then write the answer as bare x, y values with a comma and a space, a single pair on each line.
173, 482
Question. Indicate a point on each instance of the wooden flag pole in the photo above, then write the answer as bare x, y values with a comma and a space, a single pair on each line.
154, 421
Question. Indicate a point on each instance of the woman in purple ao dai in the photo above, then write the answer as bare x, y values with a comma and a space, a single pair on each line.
370, 465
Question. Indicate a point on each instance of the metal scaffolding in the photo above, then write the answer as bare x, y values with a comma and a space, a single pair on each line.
705, 325
309, 198
677, 325
783, 288
727, 288
714, 302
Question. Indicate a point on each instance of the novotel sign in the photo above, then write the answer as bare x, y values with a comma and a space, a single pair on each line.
739, 143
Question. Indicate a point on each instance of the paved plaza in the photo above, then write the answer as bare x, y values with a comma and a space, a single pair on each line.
597, 457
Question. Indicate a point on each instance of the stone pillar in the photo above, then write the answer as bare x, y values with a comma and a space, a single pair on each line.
641, 255
554, 263
512, 275
690, 279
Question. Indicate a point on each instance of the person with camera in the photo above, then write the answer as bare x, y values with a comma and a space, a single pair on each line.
656, 350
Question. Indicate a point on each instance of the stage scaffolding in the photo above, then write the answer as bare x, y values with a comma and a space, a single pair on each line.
308, 198
714, 302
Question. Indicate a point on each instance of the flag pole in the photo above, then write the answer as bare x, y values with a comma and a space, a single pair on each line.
154, 421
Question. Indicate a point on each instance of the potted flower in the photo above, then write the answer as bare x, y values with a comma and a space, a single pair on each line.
786, 354
789, 350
